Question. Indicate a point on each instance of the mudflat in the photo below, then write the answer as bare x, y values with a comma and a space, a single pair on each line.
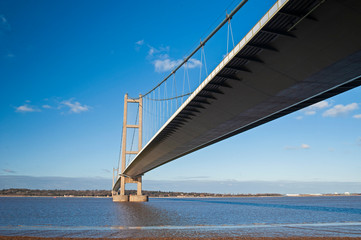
184, 238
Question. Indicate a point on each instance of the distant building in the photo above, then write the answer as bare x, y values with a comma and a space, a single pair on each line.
292, 195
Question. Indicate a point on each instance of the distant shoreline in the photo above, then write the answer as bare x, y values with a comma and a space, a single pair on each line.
55, 193
184, 238
20, 196
179, 197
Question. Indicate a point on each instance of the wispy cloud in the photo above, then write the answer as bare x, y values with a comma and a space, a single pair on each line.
57, 104
164, 65
161, 52
193, 63
305, 146
75, 107
5, 28
312, 110
9, 171
340, 110
191, 178
159, 57
140, 42
332, 111
26, 108
10, 55
302, 146
4, 24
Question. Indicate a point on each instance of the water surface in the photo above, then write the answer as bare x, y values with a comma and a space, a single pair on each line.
181, 217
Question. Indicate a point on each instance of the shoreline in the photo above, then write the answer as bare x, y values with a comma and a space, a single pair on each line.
183, 238
24, 196
181, 197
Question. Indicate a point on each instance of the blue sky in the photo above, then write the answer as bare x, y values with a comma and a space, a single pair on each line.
66, 65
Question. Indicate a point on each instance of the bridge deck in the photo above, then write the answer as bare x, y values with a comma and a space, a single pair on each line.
299, 53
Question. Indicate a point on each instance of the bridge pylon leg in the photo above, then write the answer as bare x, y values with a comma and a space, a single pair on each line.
122, 197
139, 197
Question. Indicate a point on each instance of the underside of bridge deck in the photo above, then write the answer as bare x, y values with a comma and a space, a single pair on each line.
300, 53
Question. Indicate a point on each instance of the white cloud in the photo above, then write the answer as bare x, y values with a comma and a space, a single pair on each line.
140, 42
4, 24
358, 116
75, 107
10, 55
305, 146
312, 110
299, 117
320, 105
157, 52
163, 65
340, 110
71, 104
9, 171
151, 51
193, 63
26, 108
159, 57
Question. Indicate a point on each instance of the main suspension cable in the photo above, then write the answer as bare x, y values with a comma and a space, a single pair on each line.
228, 16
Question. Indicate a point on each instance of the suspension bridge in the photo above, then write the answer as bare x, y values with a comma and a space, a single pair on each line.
299, 53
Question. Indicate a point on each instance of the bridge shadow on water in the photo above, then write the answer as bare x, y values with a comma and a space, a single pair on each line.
143, 214
273, 205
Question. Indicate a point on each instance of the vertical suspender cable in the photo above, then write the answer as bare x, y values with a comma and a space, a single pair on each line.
229, 16
230, 28
205, 62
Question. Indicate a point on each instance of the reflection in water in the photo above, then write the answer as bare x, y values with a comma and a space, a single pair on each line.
144, 214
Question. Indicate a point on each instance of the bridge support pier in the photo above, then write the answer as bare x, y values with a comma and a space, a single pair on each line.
122, 197
139, 197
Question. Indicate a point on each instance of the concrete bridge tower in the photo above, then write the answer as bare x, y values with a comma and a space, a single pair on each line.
120, 196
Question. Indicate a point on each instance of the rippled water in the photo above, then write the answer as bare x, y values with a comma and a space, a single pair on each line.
100, 217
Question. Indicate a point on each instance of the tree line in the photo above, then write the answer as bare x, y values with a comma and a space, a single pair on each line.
107, 193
